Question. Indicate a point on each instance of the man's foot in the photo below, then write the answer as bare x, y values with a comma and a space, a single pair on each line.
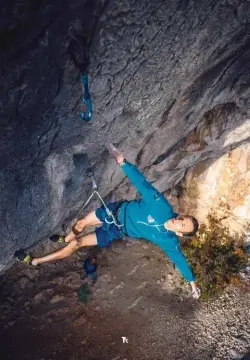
57, 238
24, 258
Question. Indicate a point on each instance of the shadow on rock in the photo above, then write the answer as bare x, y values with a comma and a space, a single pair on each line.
179, 305
246, 356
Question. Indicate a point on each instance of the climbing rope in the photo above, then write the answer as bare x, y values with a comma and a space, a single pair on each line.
110, 218
79, 49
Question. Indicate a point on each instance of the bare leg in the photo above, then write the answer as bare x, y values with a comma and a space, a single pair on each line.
89, 220
74, 245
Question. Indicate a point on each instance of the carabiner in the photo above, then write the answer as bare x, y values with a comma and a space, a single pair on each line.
109, 222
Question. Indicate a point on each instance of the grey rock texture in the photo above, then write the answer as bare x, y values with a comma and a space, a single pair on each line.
158, 70
42, 318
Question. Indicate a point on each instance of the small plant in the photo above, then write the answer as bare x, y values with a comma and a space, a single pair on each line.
215, 256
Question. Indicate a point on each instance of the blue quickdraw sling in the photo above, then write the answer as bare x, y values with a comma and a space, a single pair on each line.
78, 50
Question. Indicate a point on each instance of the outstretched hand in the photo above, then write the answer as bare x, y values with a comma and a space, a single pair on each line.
196, 292
118, 155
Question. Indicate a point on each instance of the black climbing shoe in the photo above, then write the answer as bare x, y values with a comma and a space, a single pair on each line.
57, 238
24, 258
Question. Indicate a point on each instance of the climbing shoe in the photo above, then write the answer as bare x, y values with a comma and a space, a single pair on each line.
24, 258
57, 238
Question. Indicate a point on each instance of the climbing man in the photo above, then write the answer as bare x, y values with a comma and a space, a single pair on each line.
151, 217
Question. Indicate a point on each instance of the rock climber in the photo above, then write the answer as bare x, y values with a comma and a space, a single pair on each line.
150, 217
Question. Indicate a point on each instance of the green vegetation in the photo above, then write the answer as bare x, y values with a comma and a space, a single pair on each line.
216, 257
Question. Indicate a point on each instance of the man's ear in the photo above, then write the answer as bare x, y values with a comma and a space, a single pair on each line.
179, 234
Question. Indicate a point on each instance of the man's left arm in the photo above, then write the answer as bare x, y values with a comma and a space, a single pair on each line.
136, 177
178, 258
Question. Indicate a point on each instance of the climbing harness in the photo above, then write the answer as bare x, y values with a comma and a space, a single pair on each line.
110, 218
80, 43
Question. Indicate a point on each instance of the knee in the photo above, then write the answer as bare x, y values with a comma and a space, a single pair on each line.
87, 240
80, 223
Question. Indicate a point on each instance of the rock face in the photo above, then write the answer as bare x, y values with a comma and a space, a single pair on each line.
160, 71
221, 185
145, 301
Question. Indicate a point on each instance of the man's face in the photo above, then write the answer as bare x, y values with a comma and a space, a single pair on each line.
180, 224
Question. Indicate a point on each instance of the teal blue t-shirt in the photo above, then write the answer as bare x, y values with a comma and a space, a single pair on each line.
145, 218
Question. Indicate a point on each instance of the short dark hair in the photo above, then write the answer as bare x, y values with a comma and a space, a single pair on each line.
195, 225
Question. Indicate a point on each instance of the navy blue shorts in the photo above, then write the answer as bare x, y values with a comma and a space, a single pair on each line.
108, 232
